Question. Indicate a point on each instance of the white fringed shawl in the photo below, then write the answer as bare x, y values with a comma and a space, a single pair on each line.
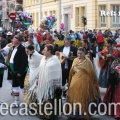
33, 72
34, 63
50, 74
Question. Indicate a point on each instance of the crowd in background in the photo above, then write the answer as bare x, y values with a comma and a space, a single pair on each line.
93, 36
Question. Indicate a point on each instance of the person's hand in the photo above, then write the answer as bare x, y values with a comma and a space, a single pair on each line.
108, 55
19, 75
57, 53
103, 57
91, 51
118, 69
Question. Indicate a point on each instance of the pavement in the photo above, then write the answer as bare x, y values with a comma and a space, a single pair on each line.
5, 96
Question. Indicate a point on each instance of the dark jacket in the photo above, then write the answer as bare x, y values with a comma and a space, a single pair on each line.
2, 60
20, 60
72, 49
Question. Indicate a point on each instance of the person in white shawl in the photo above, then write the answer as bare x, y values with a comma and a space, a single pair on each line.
34, 59
50, 75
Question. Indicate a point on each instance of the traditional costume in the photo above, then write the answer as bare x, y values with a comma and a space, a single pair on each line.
112, 94
83, 87
105, 65
18, 65
50, 76
34, 62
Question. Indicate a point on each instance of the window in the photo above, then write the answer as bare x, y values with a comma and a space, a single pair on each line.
30, 2
103, 18
82, 14
79, 12
45, 13
52, 12
77, 17
116, 19
19, 1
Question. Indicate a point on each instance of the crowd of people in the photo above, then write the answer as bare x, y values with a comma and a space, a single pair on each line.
36, 58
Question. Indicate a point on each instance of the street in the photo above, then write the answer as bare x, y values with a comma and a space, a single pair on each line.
5, 96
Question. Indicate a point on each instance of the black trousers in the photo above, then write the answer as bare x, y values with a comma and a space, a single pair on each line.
1, 79
65, 76
9, 77
18, 81
100, 46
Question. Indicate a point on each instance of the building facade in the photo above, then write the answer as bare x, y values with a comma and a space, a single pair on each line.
70, 12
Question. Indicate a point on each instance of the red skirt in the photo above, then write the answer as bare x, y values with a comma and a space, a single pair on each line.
115, 99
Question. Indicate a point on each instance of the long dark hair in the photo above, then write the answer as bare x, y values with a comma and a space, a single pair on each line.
31, 48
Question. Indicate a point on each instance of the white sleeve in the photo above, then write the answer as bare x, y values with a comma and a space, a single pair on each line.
37, 47
2, 65
6, 50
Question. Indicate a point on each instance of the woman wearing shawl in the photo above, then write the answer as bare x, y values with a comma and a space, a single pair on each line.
50, 75
83, 85
34, 59
106, 57
112, 94
49, 81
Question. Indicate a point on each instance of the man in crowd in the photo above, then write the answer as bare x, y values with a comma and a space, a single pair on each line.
18, 68
68, 50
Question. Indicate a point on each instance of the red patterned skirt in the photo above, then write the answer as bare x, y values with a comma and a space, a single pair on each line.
115, 99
